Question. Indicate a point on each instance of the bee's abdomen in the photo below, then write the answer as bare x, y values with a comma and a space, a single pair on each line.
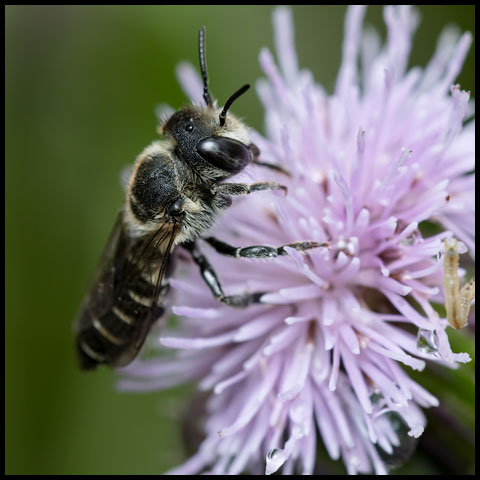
110, 337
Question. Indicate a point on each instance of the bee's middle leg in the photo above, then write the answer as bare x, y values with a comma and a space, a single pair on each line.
260, 251
245, 188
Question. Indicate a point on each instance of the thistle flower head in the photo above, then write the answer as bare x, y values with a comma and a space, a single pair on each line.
319, 360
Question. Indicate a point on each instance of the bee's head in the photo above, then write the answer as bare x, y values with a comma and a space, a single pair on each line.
205, 136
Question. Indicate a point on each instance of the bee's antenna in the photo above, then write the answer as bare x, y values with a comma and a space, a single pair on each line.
229, 102
203, 66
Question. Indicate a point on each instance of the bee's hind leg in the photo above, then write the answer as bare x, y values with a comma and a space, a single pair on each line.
211, 279
257, 251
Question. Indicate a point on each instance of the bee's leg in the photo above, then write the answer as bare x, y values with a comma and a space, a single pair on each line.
245, 188
260, 251
211, 279
273, 166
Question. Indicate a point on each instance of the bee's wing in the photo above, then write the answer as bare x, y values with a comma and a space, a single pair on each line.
124, 261
100, 296
150, 255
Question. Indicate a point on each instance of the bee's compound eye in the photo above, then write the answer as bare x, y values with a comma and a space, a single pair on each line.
176, 208
225, 153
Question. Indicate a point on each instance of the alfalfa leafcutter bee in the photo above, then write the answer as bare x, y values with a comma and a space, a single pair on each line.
177, 188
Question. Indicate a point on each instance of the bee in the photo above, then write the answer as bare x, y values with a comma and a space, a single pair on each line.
176, 190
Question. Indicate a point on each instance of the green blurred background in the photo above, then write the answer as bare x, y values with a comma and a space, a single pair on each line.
81, 86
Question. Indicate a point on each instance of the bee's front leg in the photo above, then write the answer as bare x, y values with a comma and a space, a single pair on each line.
273, 166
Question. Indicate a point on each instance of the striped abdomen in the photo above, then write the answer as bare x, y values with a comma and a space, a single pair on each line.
121, 310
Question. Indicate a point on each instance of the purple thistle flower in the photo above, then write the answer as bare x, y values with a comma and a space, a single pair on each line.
389, 149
